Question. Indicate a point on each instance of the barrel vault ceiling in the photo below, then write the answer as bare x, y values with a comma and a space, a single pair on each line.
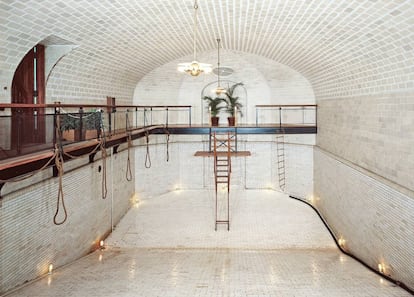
335, 44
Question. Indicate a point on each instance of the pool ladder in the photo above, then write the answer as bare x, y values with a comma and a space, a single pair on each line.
223, 145
280, 150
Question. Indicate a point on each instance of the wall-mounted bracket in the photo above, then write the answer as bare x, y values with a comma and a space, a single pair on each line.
1, 197
92, 157
55, 171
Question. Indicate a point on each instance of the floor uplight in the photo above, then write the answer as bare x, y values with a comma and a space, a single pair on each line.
50, 268
341, 242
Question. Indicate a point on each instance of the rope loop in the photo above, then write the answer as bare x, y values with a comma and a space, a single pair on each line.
60, 197
147, 156
167, 137
21, 178
128, 174
104, 181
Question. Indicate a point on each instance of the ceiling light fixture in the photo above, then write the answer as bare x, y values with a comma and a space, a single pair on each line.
219, 90
194, 68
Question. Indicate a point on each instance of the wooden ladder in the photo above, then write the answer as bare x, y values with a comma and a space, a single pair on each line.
280, 150
222, 148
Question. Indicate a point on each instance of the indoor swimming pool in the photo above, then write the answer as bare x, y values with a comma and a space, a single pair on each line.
166, 246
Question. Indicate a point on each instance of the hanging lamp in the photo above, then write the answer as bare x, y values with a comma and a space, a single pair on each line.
219, 90
194, 68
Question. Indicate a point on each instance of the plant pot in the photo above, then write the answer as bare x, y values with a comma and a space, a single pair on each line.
232, 121
214, 121
91, 134
73, 135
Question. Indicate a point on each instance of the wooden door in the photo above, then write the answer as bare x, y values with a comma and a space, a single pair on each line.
28, 87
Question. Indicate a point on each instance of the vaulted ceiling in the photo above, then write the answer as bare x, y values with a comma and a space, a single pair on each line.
340, 45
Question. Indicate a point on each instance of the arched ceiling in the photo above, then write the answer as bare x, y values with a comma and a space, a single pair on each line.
338, 45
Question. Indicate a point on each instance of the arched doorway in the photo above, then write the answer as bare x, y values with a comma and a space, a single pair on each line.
28, 87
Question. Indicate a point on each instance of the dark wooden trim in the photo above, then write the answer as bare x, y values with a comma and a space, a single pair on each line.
25, 105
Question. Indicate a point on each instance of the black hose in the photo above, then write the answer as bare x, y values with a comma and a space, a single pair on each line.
403, 286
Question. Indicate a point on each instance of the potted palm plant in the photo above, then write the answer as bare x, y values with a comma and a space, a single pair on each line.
213, 105
92, 124
70, 127
233, 103
75, 127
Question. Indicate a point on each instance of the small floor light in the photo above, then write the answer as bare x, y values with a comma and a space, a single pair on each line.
50, 268
381, 268
102, 245
341, 242
311, 199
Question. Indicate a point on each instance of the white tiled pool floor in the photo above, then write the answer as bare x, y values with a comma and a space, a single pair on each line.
258, 220
168, 247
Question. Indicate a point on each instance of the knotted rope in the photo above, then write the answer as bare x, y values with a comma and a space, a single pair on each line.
60, 197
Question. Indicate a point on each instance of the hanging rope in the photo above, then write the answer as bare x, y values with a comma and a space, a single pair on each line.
103, 155
147, 156
97, 147
104, 182
128, 173
53, 157
167, 140
21, 178
60, 197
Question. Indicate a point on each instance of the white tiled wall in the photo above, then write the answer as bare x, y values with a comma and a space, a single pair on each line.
344, 48
375, 220
265, 82
29, 239
259, 171
374, 132
363, 176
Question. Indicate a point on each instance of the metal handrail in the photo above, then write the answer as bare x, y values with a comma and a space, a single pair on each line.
286, 107
24, 105
117, 119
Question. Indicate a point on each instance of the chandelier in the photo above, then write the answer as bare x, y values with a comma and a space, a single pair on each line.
194, 68
219, 90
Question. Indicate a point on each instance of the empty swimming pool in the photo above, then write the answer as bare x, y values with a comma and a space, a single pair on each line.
167, 246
